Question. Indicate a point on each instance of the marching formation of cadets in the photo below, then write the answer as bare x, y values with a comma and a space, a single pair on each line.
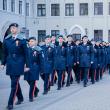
52, 61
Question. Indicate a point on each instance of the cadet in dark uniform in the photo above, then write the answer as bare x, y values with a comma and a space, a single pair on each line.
15, 55
108, 56
98, 55
0, 50
105, 56
85, 54
54, 75
60, 60
33, 74
102, 59
95, 64
70, 58
47, 63
76, 67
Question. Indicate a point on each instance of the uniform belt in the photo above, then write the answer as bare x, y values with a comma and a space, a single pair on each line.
14, 55
85, 54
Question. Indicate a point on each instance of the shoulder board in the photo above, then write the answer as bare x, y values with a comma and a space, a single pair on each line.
52, 45
37, 48
9, 36
21, 36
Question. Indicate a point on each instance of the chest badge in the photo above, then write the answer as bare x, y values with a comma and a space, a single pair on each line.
17, 42
88, 48
35, 53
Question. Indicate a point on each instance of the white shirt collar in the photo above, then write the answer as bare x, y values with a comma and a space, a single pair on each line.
15, 36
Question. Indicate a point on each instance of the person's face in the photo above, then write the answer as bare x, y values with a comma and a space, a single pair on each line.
47, 40
69, 39
85, 40
14, 30
107, 44
97, 43
103, 43
77, 42
53, 38
93, 42
60, 39
32, 42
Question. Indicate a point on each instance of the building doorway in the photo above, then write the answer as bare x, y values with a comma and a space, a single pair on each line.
76, 36
77, 32
98, 35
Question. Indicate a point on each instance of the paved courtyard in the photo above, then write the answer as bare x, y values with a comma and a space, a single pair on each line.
75, 97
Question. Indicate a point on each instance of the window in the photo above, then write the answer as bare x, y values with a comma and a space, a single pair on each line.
41, 35
20, 7
55, 32
27, 9
25, 31
69, 9
13, 5
83, 9
108, 35
4, 4
98, 8
76, 36
55, 10
98, 35
109, 8
41, 10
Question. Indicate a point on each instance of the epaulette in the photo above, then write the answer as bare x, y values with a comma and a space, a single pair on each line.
52, 45
9, 36
21, 36
37, 48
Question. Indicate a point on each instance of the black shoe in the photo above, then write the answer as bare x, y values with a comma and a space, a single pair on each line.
31, 100
36, 93
78, 82
85, 85
93, 82
9, 107
63, 83
97, 80
49, 88
59, 88
45, 92
52, 84
18, 102
67, 85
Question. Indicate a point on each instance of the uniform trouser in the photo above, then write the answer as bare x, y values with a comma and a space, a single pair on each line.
15, 90
69, 72
63, 78
53, 77
85, 71
46, 82
60, 73
77, 72
109, 68
42, 76
92, 72
33, 89
101, 72
97, 73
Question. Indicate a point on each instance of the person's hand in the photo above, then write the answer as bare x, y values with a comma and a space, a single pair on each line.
77, 62
74, 63
92, 62
26, 69
2, 67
